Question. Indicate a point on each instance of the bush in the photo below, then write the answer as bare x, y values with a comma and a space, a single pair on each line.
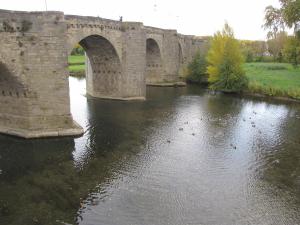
197, 69
294, 93
276, 67
231, 79
225, 63
266, 59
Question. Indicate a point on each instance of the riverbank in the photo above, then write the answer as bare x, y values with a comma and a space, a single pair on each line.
279, 80
268, 97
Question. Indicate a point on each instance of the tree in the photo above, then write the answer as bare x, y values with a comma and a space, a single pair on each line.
259, 50
276, 45
288, 15
253, 50
291, 13
225, 62
77, 50
292, 50
247, 50
197, 68
273, 21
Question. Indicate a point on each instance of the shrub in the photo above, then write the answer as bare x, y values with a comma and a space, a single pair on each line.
196, 70
294, 93
77, 50
276, 67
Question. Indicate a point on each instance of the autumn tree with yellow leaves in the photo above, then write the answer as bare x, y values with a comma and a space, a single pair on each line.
225, 62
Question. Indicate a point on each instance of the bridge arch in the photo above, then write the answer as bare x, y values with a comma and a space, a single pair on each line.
180, 54
181, 61
75, 38
103, 67
154, 65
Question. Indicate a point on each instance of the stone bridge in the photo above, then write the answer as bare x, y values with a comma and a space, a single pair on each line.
122, 57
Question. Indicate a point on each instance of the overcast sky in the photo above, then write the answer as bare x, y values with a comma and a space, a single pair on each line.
195, 17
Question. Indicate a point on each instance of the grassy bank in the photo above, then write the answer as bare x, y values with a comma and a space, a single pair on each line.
77, 65
273, 79
76, 59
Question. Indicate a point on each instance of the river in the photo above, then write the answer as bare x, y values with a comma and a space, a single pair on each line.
183, 157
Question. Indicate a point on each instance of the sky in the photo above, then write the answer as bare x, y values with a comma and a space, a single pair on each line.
191, 17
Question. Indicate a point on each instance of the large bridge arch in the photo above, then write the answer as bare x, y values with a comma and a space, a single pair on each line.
121, 75
103, 67
76, 37
154, 63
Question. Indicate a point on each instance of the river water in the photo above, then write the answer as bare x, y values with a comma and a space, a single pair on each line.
183, 157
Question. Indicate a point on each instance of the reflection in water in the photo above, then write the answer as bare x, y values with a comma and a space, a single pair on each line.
181, 157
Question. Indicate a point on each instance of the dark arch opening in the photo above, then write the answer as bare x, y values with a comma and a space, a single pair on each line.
153, 62
180, 62
102, 66
180, 55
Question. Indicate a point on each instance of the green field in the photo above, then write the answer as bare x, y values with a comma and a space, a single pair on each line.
76, 59
274, 79
77, 65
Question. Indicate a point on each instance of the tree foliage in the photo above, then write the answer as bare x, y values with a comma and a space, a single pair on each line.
225, 62
77, 50
197, 68
247, 50
276, 46
291, 12
292, 50
276, 19
253, 51
273, 21
288, 15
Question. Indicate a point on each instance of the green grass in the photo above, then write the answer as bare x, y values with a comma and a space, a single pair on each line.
76, 68
77, 65
274, 79
76, 59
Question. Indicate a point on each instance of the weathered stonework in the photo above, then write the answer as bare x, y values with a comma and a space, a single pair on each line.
121, 58
34, 78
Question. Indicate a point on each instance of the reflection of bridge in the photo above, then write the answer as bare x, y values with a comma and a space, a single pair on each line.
121, 58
